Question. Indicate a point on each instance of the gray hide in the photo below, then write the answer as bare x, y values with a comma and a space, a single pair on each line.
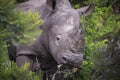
62, 42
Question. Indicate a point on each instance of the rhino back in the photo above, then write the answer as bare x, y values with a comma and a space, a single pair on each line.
35, 6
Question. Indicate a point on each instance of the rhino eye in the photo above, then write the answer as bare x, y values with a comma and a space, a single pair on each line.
58, 37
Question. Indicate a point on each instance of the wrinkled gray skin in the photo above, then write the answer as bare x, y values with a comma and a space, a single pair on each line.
62, 42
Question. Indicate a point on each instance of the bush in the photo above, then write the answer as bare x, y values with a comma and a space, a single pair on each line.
100, 26
21, 28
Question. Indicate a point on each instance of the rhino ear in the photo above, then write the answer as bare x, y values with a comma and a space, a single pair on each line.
51, 4
86, 10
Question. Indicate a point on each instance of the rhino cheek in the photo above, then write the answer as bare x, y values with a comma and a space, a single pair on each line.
55, 52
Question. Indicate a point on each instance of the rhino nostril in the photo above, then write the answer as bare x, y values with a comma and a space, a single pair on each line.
64, 60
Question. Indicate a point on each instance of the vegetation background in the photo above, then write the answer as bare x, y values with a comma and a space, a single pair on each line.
102, 49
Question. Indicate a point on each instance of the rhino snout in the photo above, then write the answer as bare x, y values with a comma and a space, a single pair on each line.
72, 59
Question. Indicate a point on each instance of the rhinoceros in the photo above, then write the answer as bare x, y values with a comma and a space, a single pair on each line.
62, 39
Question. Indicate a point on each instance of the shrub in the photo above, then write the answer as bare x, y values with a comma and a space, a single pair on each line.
21, 28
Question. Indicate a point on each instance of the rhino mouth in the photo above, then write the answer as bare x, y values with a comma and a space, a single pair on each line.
71, 59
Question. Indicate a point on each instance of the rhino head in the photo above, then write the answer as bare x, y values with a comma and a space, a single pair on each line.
66, 39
